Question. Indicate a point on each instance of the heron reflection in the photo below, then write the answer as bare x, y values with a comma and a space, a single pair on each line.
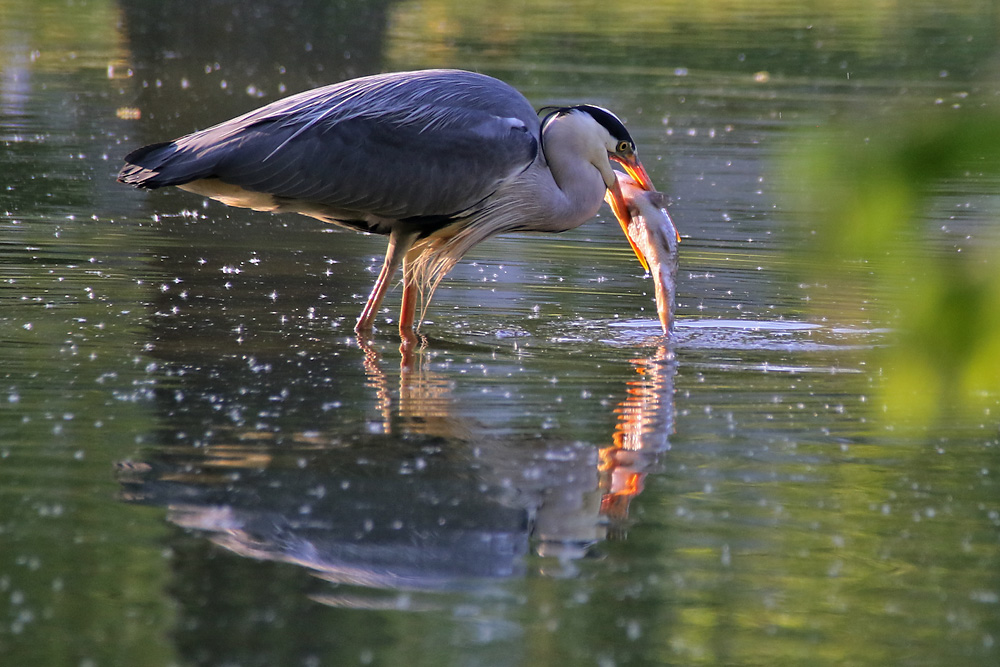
432, 502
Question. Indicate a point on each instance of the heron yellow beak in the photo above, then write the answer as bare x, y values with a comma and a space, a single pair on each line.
619, 206
635, 169
616, 199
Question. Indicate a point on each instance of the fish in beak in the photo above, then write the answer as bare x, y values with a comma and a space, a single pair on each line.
652, 235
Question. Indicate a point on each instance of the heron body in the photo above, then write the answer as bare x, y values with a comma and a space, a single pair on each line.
438, 160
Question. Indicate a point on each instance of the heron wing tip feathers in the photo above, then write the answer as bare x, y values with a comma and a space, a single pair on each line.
139, 176
142, 166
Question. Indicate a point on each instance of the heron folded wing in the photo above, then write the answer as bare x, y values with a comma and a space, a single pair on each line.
411, 145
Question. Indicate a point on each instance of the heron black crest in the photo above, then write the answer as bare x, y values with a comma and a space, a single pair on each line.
607, 120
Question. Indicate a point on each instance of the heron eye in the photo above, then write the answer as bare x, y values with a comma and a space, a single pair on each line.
624, 147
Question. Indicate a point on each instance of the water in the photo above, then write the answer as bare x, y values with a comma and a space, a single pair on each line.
199, 464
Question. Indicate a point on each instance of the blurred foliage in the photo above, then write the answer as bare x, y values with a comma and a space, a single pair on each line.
884, 40
872, 187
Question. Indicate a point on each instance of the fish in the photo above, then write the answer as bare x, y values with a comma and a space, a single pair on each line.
654, 238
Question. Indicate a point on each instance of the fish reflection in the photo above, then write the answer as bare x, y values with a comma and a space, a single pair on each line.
426, 500
642, 432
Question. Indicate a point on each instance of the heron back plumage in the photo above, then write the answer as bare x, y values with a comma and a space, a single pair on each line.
420, 146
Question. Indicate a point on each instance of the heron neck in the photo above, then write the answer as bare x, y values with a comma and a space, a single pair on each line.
578, 184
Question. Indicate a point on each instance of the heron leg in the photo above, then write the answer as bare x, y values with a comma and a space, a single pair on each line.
408, 307
399, 244
407, 336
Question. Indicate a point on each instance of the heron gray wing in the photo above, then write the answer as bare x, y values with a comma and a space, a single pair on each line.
395, 146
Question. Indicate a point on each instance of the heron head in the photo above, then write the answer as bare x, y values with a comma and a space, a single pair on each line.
620, 146
617, 141
621, 149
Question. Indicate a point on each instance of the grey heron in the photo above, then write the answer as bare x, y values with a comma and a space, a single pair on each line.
438, 160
